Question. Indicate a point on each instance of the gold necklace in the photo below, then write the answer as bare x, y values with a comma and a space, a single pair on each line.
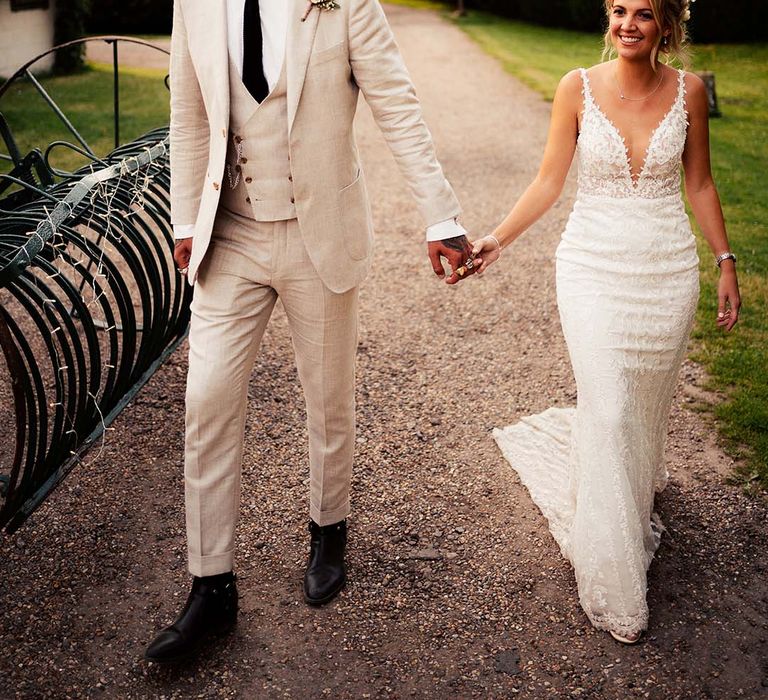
636, 99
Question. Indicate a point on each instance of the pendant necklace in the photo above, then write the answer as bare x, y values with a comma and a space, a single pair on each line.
636, 99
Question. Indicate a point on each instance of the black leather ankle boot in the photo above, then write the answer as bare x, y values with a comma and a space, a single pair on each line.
211, 608
326, 573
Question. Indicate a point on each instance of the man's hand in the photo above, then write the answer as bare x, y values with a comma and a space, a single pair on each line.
182, 252
458, 251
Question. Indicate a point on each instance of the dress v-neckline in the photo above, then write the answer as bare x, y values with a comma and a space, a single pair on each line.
634, 181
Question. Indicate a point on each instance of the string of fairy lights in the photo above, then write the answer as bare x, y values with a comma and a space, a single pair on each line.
98, 259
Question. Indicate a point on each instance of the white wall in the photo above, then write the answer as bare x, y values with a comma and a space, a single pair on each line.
24, 35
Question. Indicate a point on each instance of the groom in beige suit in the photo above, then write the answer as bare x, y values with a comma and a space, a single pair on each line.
268, 200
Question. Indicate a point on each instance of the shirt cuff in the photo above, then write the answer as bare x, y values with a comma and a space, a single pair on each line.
183, 231
445, 229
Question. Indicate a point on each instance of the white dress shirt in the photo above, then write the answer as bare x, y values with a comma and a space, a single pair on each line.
274, 31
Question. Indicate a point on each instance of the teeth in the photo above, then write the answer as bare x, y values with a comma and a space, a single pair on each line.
630, 39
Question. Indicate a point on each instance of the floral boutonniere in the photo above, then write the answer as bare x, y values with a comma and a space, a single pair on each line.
320, 5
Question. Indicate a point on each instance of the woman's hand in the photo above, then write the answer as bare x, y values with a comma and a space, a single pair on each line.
487, 250
728, 297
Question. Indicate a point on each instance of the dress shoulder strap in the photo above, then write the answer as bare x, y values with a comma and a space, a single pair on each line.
586, 89
681, 87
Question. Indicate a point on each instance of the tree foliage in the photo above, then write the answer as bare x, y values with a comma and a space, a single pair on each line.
131, 17
711, 21
69, 24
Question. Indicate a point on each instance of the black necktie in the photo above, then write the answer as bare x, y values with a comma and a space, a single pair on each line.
253, 42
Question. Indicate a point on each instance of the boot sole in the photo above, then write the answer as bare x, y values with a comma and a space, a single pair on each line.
220, 632
317, 602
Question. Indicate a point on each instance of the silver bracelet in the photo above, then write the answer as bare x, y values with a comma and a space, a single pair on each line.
497, 242
725, 256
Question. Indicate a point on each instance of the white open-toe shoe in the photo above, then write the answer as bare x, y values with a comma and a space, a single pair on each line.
634, 639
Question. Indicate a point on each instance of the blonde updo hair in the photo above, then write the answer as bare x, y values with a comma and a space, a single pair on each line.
672, 17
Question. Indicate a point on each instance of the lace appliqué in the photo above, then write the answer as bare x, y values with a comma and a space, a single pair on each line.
604, 167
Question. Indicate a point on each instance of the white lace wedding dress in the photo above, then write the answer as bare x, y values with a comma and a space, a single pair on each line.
627, 287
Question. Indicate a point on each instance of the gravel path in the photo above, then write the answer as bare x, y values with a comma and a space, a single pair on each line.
456, 588
130, 54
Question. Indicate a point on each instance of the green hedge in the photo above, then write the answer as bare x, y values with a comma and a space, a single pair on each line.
585, 15
718, 21
712, 20
69, 24
131, 17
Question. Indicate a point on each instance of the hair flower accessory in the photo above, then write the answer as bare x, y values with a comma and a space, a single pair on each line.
320, 5
687, 12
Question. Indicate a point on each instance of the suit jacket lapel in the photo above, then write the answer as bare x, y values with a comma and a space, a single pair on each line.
220, 52
301, 36
207, 36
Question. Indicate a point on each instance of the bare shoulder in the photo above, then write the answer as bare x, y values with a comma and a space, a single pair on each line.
568, 97
694, 85
693, 79
601, 71
571, 80
696, 93
570, 87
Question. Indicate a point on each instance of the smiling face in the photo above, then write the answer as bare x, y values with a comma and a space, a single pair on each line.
633, 29
646, 28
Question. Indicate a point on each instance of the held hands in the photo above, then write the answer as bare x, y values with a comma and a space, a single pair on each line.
458, 252
729, 301
182, 252
489, 250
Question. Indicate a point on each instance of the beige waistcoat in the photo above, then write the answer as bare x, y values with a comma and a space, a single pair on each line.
258, 181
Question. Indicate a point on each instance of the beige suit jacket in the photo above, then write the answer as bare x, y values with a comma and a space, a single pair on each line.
330, 57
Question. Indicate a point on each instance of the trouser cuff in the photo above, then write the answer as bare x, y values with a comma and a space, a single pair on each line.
211, 565
329, 517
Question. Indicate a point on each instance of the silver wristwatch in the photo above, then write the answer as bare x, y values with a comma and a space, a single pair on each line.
725, 256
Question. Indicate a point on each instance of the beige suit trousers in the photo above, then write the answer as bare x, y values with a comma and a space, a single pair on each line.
248, 266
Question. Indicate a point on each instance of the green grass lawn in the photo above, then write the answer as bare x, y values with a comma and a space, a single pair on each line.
737, 364
86, 100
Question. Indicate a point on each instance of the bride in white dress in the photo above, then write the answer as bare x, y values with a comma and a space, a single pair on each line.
627, 289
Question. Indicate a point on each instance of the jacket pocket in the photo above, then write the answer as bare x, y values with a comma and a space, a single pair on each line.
328, 54
355, 219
